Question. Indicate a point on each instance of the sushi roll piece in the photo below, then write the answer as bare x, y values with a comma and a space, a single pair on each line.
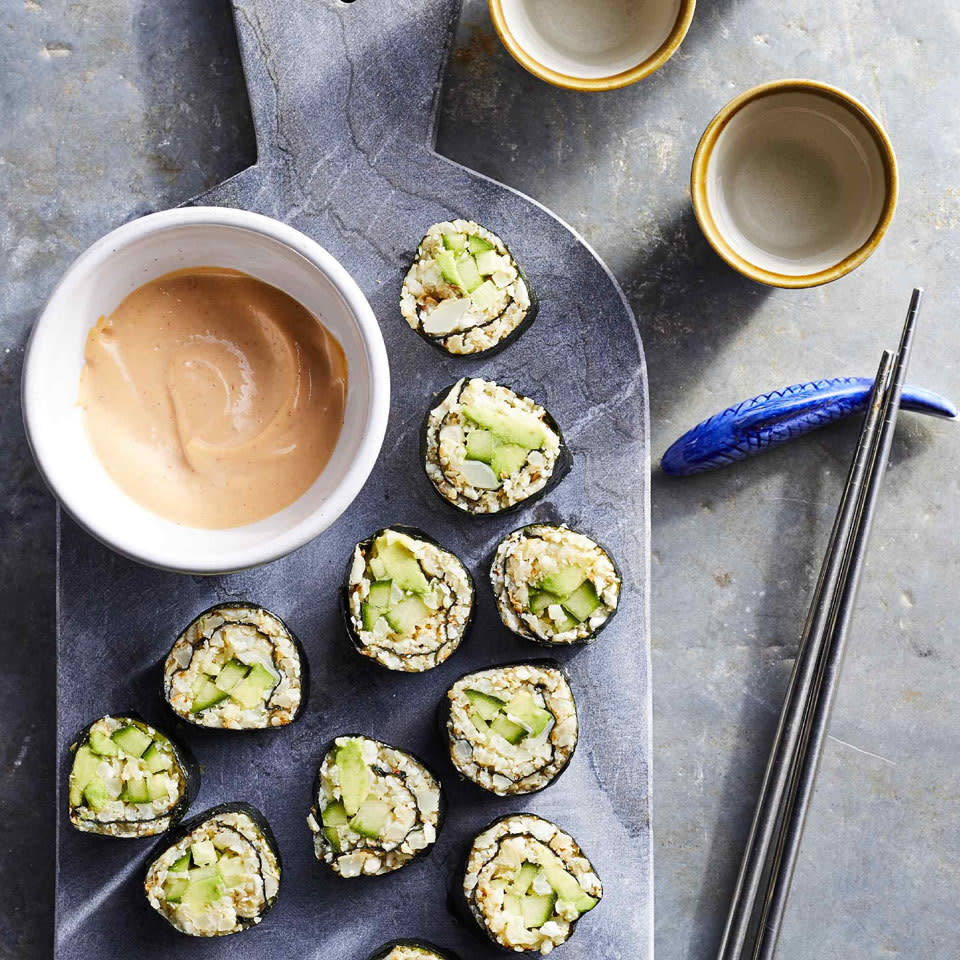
554, 585
375, 808
487, 449
464, 292
512, 729
407, 602
129, 779
218, 875
236, 666
527, 883
412, 950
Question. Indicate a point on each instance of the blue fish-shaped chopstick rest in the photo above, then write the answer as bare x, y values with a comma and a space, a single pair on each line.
770, 419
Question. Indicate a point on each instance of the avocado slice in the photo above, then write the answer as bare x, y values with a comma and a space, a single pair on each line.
205, 695
204, 853
477, 244
457, 242
201, 893
156, 759
563, 581
401, 566
101, 744
508, 459
522, 429
525, 710
377, 568
407, 615
232, 673
232, 870
582, 602
371, 818
487, 706
354, 776
132, 741
252, 690
481, 445
95, 794
510, 731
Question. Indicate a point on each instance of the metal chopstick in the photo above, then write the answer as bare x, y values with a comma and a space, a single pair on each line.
809, 762
766, 840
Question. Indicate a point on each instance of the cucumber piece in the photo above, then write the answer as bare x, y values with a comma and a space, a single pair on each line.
156, 759
525, 710
253, 689
95, 794
481, 445
522, 429
204, 873
136, 791
563, 582
204, 853
334, 815
232, 673
369, 615
487, 706
482, 727
448, 268
101, 744
174, 888
182, 865
354, 776
379, 595
510, 731
206, 695
469, 274
232, 870
457, 242
157, 787
567, 888
487, 262
562, 626
582, 602
486, 296
539, 600
132, 741
371, 818
201, 893
84, 769
477, 244
524, 878
537, 909
407, 615
402, 567
513, 904
479, 475
333, 837
508, 459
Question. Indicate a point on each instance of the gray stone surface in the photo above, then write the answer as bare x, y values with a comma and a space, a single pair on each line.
735, 553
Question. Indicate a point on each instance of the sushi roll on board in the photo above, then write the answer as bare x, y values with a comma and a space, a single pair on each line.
464, 292
375, 809
527, 883
412, 950
512, 729
407, 601
487, 449
219, 875
236, 666
554, 585
128, 779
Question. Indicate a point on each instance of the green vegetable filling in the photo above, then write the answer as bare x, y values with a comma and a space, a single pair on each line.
393, 565
515, 720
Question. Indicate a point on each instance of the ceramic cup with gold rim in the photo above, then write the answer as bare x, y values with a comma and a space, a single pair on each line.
794, 183
592, 44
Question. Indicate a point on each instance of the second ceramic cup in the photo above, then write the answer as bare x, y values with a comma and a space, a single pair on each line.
794, 183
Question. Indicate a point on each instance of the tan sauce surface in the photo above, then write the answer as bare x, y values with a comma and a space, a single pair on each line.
212, 398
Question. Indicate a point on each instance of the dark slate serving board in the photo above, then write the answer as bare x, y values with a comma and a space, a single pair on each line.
344, 104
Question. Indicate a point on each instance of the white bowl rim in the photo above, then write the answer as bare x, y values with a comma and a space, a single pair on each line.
378, 405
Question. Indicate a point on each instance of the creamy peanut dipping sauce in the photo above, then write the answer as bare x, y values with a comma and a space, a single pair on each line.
213, 398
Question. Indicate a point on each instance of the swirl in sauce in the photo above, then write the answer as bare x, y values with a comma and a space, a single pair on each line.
212, 398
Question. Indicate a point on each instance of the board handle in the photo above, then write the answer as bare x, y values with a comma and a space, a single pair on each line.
770, 419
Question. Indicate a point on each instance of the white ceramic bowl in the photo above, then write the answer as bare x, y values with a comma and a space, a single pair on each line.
96, 283
794, 183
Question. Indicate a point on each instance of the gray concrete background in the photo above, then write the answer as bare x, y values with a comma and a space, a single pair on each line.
116, 107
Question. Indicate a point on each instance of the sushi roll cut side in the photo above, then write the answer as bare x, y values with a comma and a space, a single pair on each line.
220, 876
464, 291
409, 601
487, 449
128, 779
376, 808
512, 730
411, 950
238, 667
554, 585
527, 883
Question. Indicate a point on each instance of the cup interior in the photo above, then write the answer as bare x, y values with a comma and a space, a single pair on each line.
96, 284
797, 181
591, 40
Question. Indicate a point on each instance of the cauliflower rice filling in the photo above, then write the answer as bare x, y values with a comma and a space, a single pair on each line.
527, 882
464, 291
376, 809
488, 448
219, 879
531, 732
235, 666
405, 951
554, 584
408, 629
